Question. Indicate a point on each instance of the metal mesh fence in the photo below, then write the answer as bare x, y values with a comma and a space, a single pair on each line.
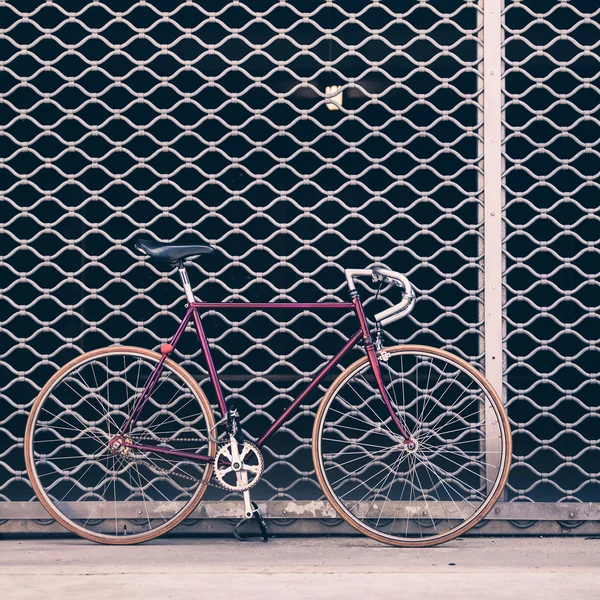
301, 138
551, 115
212, 122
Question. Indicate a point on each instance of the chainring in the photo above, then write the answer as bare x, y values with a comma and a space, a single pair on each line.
252, 467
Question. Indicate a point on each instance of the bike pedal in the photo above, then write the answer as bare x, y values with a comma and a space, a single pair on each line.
256, 516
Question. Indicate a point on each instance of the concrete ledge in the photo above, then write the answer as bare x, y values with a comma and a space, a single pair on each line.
502, 511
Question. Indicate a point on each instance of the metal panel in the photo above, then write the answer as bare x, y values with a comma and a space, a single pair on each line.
552, 119
212, 121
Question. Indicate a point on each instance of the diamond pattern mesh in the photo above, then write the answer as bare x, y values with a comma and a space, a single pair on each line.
551, 247
210, 122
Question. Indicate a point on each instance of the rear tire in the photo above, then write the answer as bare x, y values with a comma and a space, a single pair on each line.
125, 497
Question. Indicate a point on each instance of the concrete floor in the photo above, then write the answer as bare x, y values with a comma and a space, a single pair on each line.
291, 568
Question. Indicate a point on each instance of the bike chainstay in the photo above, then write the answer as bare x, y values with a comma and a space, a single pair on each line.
142, 461
175, 474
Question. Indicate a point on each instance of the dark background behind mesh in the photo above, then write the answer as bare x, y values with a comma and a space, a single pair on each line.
551, 249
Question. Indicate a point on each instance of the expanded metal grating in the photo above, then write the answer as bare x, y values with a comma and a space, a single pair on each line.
212, 121
552, 164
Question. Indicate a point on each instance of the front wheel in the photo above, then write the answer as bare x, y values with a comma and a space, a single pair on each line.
412, 496
119, 495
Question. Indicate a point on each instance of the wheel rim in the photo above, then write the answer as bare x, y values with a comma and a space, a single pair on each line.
128, 495
400, 495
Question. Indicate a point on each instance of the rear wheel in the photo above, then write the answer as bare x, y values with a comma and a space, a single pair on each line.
412, 496
124, 496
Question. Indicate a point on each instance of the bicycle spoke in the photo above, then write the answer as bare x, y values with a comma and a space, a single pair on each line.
369, 407
410, 493
464, 468
436, 451
87, 427
430, 470
367, 419
399, 413
95, 395
395, 467
420, 416
361, 455
144, 497
380, 485
454, 417
362, 483
455, 404
424, 498
423, 418
362, 444
447, 481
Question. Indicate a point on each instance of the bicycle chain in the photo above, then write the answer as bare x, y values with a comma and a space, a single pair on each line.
141, 461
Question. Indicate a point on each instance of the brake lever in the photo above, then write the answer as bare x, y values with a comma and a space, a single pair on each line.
387, 280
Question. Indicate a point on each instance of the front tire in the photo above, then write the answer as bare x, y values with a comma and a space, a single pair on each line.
412, 497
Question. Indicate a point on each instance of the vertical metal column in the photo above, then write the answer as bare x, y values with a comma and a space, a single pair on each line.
480, 182
492, 194
492, 131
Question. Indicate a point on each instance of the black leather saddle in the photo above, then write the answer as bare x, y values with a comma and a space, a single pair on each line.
172, 254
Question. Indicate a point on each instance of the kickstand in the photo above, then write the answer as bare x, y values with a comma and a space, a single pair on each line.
261, 524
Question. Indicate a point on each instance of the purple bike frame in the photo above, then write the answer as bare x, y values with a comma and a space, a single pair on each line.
192, 312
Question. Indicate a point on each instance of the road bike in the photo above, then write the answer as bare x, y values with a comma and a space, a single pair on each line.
411, 445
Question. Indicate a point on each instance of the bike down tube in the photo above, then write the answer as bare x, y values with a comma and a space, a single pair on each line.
375, 366
276, 425
363, 332
311, 386
192, 312
196, 306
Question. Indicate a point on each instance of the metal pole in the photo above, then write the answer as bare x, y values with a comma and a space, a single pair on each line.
492, 152
492, 205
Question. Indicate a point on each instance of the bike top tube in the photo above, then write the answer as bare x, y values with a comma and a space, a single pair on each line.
194, 308
272, 305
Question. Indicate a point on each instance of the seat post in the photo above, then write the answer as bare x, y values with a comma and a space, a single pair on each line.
185, 280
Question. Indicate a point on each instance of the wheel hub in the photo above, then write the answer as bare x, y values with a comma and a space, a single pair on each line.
118, 445
411, 446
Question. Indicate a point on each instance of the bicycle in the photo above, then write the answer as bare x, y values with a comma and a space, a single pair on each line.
411, 445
